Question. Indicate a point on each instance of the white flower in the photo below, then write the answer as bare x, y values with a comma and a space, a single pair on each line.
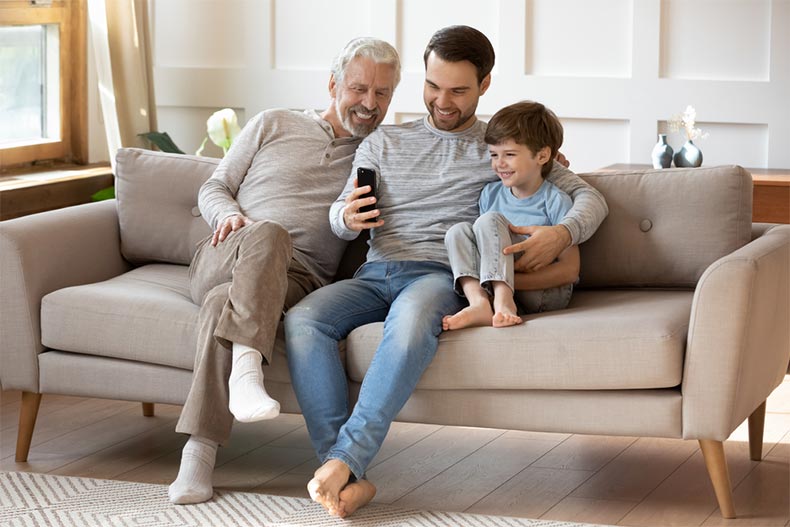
222, 127
687, 120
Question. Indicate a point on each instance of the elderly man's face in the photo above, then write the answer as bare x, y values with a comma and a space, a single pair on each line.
362, 97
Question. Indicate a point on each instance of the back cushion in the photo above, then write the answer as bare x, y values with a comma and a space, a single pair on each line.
157, 204
665, 227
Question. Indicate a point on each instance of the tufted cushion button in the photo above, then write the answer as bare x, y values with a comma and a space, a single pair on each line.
645, 225
196, 212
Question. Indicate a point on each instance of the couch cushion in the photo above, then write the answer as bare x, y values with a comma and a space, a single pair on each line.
144, 315
665, 227
619, 339
157, 204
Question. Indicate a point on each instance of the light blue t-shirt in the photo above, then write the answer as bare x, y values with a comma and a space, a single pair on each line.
547, 206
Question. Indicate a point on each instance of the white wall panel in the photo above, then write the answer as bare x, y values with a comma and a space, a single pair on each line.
308, 34
614, 68
420, 19
593, 143
579, 38
715, 39
202, 33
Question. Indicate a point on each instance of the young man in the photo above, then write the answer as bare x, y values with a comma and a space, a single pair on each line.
431, 172
268, 201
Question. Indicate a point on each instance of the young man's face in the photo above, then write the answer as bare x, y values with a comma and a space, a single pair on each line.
360, 101
518, 167
451, 93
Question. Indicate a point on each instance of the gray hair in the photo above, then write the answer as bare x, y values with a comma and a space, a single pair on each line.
379, 51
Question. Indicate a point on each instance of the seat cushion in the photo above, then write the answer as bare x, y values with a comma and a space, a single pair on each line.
145, 315
613, 339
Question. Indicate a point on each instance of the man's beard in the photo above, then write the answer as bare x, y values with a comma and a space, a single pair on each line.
362, 129
457, 123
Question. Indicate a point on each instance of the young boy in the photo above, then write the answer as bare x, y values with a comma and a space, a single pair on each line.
524, 139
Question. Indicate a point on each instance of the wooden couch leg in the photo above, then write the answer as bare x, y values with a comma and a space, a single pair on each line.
756, 427
28, 412
148, 409
716, 462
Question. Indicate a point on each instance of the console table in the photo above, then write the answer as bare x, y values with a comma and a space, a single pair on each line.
771, 195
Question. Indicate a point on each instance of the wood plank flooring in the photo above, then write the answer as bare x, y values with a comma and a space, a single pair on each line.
593, 479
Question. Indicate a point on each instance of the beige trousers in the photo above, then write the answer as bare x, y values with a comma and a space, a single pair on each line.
243, 286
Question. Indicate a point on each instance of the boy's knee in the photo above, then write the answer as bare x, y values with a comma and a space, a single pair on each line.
491, 218
459, 231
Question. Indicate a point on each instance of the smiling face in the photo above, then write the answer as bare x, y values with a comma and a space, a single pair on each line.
451, 93
517, 167
361, 99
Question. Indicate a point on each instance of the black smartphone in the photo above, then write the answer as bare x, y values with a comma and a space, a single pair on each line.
367, 176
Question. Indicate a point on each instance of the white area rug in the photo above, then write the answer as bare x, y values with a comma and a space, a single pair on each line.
39, 500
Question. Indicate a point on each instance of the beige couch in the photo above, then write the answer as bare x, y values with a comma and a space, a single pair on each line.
679, 326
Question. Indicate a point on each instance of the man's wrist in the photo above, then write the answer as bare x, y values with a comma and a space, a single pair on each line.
565, 234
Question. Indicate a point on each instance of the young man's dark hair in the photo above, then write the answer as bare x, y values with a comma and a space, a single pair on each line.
527, 123
457, 43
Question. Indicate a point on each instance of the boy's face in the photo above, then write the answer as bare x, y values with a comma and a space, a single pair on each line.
451, 93
517, 166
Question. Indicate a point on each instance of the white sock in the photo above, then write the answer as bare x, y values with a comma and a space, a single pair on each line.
249, 401
193, 484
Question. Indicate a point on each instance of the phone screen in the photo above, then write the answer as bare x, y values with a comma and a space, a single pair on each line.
367, 176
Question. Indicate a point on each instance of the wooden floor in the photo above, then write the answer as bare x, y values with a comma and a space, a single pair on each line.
593, 479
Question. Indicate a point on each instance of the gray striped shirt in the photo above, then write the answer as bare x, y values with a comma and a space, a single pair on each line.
285, 167
428, 180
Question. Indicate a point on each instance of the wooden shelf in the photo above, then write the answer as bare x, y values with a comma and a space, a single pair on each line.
37, 189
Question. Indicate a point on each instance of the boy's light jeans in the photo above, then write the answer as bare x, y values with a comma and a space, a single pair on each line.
476, 251
411, 298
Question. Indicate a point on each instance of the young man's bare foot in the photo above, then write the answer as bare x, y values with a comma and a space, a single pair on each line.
474, 315
355, 496
327, 483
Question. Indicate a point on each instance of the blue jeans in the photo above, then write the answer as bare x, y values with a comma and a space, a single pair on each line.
411, 298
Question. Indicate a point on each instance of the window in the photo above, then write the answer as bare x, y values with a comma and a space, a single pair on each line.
42, 99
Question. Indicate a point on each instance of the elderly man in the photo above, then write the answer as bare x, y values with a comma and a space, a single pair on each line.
268, 203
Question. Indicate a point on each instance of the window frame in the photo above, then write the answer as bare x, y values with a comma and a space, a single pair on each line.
70, 17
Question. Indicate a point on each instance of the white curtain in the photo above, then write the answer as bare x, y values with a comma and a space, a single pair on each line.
121, 38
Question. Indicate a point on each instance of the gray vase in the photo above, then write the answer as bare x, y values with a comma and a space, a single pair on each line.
688, 156
662, 153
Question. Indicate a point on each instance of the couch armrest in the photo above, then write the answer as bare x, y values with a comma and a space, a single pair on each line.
738, 342
40, 254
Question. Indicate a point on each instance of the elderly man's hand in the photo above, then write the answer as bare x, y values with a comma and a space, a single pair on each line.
228, 225
544, 245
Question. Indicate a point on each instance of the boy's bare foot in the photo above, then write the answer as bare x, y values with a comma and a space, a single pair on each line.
327, 483
355, 496
505, 309
474, 315
503, 320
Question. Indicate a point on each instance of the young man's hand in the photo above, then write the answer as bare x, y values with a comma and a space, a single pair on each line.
544, 245
228, 225
352, 217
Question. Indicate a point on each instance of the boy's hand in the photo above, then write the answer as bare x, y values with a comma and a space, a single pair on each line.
354, 219
228, 225
544, 245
